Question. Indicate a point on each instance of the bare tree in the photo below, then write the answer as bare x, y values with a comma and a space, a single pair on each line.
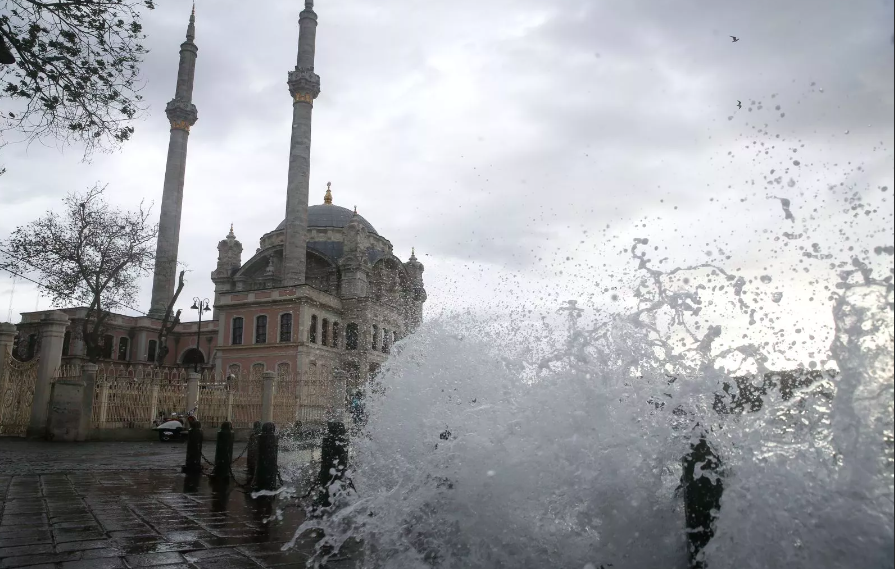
168, 324
93, 255
70, 69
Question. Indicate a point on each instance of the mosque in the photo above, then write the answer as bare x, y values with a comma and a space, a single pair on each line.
324, 290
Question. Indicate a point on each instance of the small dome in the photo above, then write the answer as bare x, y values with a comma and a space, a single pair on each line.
328, 215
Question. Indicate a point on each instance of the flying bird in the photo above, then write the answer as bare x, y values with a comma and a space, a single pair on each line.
734, 39
739, 104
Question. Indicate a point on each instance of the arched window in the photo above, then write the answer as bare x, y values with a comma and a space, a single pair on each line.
236, 338
351, 336
375, 342
386, 345
66, 343
374, 371
282, 370
312, 331
395, 337
193, 357
286, 327
108, 346
123, 344
233, 371
257, 370
335, 342
324, 333
261, 329
151, 351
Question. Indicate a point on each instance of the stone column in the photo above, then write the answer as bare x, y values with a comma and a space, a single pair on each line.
304, 86
88, 376
192, 391
340, 389
267, 396
52, 331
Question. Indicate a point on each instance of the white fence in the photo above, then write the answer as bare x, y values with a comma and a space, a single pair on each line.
135, 396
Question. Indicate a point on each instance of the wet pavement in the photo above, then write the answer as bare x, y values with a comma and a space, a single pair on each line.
107, 505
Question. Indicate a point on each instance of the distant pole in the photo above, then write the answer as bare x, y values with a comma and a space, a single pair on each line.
201, 306
12, 294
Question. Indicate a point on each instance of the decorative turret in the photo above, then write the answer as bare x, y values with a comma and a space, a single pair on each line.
229, 261
355, 265
304, 86
182, 115
417, 291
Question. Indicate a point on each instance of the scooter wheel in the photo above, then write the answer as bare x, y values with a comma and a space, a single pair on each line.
163, 437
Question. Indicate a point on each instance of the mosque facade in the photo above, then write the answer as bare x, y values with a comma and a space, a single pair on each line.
323, 291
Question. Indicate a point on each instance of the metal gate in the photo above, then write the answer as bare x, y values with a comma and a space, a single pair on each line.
16, 395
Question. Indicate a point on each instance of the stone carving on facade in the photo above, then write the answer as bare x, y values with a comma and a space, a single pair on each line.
181, 114
304, 85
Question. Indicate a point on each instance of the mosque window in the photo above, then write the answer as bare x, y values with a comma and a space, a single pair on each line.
395, 337
122, 349
150, 352
286, 327
282, 370
261, 329
257, 370
335, 342
233, 371
386, 345
375, 342
108, 346
312, 331
236, 340
324, 333
351, 336
66, 343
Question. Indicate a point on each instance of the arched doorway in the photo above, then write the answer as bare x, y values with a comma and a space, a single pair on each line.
193, 357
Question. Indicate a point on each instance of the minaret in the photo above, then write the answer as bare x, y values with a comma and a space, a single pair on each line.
304, 85
182, 115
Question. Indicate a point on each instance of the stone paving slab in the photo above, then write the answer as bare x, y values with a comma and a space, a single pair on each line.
110, 505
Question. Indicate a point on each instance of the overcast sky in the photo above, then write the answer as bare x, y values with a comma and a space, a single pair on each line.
502, 137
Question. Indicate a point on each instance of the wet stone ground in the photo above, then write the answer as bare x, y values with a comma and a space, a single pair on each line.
106, 505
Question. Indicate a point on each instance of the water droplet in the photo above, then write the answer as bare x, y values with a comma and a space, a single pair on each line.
766, 279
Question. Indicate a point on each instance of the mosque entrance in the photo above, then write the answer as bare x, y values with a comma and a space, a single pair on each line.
193, 357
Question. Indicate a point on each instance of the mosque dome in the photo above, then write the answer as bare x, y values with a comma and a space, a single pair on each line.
329, 215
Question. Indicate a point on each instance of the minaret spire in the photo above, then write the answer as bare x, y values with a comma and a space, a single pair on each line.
304, 86
182, 115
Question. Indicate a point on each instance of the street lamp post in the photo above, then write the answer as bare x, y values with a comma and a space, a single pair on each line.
201, 306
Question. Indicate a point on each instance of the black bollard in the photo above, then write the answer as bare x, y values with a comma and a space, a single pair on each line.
252, 450
223, 451
267, 470
333, 458
702, 498
193, 449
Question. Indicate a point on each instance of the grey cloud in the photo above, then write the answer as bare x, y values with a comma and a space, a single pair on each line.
486, 131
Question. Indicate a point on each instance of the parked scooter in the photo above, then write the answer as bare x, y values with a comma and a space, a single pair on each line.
171, 428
